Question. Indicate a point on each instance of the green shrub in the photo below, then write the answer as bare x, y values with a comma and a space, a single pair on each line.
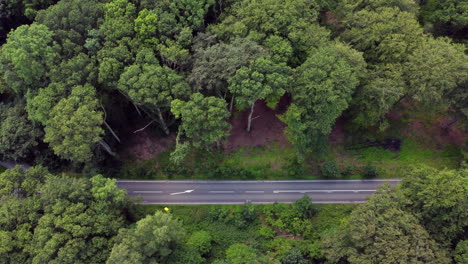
266, 231
370, 171
248, 212
219, 214
348, 170
304, 207
200, 241
293, 167
330, 170
294, 256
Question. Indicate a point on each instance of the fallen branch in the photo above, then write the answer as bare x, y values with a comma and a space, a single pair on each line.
141, 129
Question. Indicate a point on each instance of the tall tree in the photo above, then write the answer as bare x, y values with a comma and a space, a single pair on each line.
153, 86
381, 232
321, 92
435, 67
293, 21
50, 219
215, 64
80, 218
18, 136
203, 119
384, 35
153, 240
27, 57
262, 79
71, 20
439, 200
75, 125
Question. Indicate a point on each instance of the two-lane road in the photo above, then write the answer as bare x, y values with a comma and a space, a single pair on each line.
238, 192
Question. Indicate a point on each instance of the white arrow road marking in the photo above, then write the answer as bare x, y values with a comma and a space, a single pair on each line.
147, 191
319, 191
187, 191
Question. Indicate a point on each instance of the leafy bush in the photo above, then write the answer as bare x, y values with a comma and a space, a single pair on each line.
266, 231
248, 212
330, 170
370, 171
294, 256
200, 241
304, 207
219, 214
293, 167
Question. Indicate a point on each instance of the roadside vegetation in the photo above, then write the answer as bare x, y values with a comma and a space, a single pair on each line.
91, 220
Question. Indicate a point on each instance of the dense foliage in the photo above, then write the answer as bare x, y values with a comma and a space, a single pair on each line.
80, 80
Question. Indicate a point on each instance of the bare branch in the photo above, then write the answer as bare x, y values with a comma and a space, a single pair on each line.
141, 129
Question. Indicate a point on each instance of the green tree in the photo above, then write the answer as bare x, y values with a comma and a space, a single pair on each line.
74, 125
304, 207
203, 119
78, 70
347, 7
27, 56
434, 68
153, 240
146, 26
215, 64
461, 252
50, 219
243, 254
71, 20
20, 182
261, 18
262, 79
321, 91
18, 137
294, 256
439, 200
80, 218
384, 35
200, 241
383, 88
381, 232
446, 17
113, 58
119, 16
293, 21
153, 86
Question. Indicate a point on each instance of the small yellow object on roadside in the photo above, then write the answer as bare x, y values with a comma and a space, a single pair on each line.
166, 209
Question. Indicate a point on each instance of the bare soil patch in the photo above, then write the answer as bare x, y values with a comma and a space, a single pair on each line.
266, 128
145, 145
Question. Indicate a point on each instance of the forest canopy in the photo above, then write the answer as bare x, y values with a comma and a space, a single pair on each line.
84, 81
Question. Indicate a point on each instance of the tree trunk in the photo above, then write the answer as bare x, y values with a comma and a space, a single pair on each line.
162, 122
249, 122
231, 105
137, 109
112, 131
107, 147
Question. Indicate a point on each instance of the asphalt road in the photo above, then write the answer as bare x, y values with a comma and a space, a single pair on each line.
238, 192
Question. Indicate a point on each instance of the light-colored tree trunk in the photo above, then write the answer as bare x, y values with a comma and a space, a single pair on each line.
137, 109
112, 131
249, 121
163, 123
231, 104
107, 147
